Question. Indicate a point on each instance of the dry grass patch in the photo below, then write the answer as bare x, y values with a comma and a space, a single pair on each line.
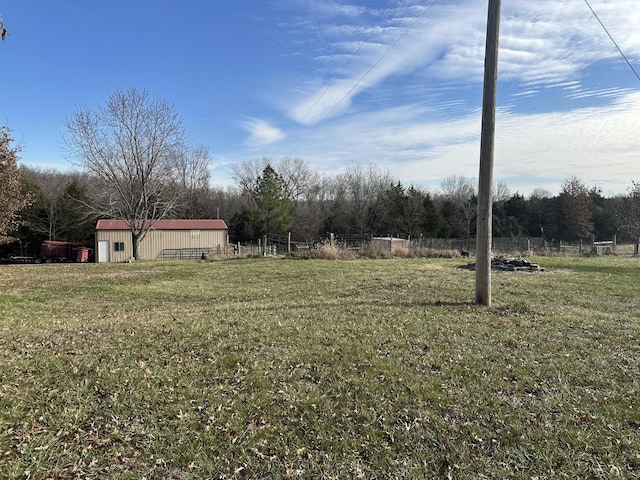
267, 368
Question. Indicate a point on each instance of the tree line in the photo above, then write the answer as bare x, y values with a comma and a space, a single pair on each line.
136, 164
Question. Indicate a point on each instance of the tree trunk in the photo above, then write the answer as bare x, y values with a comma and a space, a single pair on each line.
134, 245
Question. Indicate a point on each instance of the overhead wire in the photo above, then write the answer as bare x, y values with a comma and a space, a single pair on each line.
391, 47
359, 81
613, 40
346, 64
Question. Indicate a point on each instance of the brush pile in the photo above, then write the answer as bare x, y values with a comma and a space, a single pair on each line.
503, 264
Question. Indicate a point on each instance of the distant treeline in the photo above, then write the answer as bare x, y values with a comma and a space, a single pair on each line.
289, 196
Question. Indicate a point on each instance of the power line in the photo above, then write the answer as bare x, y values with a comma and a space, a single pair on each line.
613, 40
313, 129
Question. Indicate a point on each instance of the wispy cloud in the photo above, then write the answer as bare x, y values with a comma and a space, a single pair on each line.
427, 60
261, 132
597, 144
542, 43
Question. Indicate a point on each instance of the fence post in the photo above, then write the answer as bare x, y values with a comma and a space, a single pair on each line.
289, 243
614, 243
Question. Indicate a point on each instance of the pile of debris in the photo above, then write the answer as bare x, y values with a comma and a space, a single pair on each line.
503, 264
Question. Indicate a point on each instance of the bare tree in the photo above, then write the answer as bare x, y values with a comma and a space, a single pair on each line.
50, 186
298, 176
501, 192
461, 192
245, 173
58, 208
192, 181
131, 145
12, 197
356, 194
305, 189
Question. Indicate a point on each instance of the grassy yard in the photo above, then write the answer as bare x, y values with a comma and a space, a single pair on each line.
266, 368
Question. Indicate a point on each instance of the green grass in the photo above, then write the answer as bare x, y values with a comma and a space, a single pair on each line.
266, 368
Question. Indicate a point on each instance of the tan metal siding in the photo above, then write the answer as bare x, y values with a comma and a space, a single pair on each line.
150, 248
113, 237
156, 241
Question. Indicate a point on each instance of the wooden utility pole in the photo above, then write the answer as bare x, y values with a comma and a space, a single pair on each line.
485, 182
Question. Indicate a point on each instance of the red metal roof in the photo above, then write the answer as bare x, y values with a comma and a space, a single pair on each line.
206, 224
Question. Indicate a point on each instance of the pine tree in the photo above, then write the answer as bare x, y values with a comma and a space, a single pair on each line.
274, 210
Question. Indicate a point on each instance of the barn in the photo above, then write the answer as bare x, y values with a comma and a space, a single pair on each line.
167, 240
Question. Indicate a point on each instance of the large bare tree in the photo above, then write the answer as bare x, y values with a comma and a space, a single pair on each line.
49, 186
192, 180
356, 194
12, 195
461, 192
131, 145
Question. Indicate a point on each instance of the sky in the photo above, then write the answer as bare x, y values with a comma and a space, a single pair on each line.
392, 83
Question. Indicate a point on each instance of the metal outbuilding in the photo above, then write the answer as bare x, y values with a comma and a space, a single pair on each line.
167, 239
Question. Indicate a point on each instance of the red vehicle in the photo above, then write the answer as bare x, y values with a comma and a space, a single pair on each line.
52, 251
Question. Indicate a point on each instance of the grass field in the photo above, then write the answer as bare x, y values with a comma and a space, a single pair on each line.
271, 368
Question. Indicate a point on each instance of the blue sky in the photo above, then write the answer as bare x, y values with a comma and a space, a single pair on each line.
393, 83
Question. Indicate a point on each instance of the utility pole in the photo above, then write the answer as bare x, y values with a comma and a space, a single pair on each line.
485, 182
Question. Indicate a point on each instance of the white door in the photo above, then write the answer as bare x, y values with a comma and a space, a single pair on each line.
103, 251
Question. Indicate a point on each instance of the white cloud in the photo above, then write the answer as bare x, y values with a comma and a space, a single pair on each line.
599, 145
402, 89
261, 133
541, 43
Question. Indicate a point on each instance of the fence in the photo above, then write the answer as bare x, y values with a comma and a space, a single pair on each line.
271, 244
282, 245
191, 253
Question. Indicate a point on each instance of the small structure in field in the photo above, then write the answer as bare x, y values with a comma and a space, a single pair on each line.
392, 245
167, 239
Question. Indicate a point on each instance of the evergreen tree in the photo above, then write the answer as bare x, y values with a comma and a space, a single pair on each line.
517, 213
274, 210
433, 224
575, 218
603, 214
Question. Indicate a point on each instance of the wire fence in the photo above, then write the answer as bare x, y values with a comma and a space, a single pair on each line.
192, 253
522, 246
